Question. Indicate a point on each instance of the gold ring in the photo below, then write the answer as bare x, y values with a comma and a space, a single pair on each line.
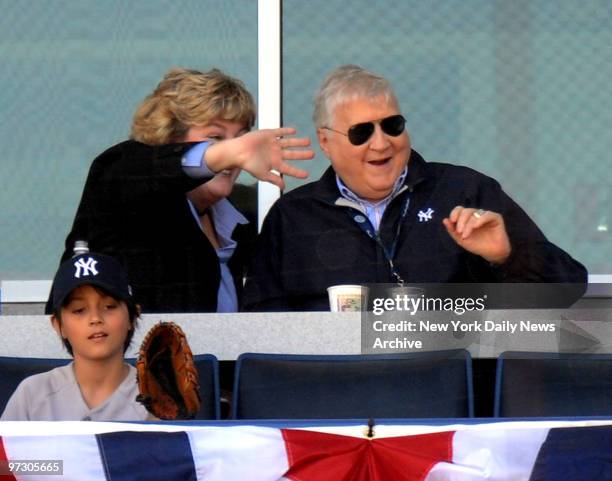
479, 213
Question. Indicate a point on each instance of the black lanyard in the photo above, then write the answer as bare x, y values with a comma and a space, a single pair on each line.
365, 225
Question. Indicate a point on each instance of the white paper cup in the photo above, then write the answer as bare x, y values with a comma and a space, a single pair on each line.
344, 298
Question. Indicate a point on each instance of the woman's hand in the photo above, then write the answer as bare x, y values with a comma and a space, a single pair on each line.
259, 153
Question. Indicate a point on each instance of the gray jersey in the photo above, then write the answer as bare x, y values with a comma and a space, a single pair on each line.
56, 396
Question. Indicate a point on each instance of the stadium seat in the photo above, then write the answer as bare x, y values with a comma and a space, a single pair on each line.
13, 370
208, 373
531, 384
414, 385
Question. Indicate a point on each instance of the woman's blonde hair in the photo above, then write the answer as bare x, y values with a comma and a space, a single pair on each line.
189, 98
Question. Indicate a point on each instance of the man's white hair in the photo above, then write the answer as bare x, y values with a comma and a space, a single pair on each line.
345, 83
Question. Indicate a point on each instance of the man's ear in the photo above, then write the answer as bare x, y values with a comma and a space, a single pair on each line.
57, 325
322, 137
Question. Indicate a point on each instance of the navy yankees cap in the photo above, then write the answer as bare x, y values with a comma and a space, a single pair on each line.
90, 269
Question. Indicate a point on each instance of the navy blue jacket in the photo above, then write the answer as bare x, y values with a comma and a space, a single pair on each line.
309, 243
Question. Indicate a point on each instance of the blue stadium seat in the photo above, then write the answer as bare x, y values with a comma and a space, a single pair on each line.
13, 370
208, 373
414, 385
532, 384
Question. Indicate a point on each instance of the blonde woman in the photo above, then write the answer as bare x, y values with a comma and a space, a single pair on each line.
158, 201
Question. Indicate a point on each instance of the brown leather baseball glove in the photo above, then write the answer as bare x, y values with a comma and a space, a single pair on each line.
167, 376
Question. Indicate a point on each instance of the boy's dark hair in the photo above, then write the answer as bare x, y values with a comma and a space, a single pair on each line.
133, 314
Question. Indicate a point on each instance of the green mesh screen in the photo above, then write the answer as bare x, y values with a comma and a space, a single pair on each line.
72, 75
519, 90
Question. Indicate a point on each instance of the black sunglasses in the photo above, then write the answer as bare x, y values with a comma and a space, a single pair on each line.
359, 134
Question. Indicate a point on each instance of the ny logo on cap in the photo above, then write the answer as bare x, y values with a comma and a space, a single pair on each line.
85, 268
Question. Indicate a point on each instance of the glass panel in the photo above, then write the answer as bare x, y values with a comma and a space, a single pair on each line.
518, 90
73, 73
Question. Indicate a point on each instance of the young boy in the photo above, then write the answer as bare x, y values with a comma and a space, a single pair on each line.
95, 316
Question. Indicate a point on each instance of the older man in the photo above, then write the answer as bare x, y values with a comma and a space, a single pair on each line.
382, 214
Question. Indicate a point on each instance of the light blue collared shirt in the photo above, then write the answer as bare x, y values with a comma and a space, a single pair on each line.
193, 162
225, 218
374, 210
